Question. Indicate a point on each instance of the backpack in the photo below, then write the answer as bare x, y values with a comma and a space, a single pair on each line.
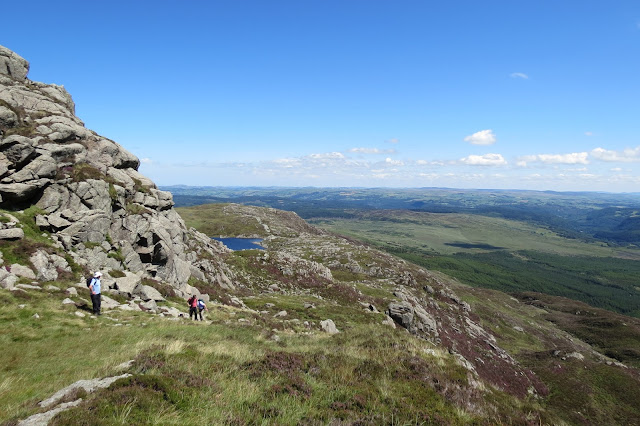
201, 304
89, 281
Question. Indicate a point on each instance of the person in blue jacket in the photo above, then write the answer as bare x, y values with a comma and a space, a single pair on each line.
94, 287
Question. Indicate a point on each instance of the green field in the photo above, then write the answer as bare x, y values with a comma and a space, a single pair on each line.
450, 233
505, 255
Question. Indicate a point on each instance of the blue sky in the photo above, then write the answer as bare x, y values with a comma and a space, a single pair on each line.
467, 94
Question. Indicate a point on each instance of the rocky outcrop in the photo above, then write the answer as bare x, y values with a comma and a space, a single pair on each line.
96, 204
13, 64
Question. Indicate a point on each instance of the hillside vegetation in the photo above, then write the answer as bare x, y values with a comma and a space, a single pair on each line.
576, 245
503, 254
263, 357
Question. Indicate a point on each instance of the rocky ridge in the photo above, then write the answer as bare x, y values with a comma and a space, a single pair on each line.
92, 200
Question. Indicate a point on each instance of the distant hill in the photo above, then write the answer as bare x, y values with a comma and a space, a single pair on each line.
586, 215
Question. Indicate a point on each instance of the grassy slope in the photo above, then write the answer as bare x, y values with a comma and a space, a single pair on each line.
235, 371
545, 333
230, 371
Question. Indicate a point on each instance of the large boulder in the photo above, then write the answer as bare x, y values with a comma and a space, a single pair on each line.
128, 284
12, 64
47, 265
11, 234
147, 293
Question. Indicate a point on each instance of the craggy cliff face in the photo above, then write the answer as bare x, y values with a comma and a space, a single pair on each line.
96, 204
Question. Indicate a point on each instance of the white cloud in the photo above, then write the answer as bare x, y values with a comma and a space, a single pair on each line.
626, 156
588, 133
327, 155
287, 162
429, 163
484, 160
393, 140
519, 75
572, 158
372, 151
146, 160
483, 137
393, 162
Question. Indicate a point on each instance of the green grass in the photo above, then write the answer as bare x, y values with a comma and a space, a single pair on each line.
449, 233
601, 282
211, 220
226, 372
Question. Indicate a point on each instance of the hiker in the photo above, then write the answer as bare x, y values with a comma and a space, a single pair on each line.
94, 287
201, 307
193, 307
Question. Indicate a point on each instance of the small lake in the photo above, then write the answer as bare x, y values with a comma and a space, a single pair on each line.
241, 243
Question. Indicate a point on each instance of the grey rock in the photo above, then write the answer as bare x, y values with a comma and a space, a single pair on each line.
281, 314
125, 365
171, 312
12, 64
425, 322
4, 167
108, 303
88, 385
92, 227
48, 265
388, 321
22, 271
329, 326
22, 191
43, 419
60, 152
147, 293
7, 117
7, 279
57, 222
71, 291
68, 301
128, 284
28, 287
149, 305
17, 150
40, 167
11, 234
402, 313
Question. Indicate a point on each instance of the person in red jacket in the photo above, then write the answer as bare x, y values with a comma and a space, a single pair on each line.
193, 307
